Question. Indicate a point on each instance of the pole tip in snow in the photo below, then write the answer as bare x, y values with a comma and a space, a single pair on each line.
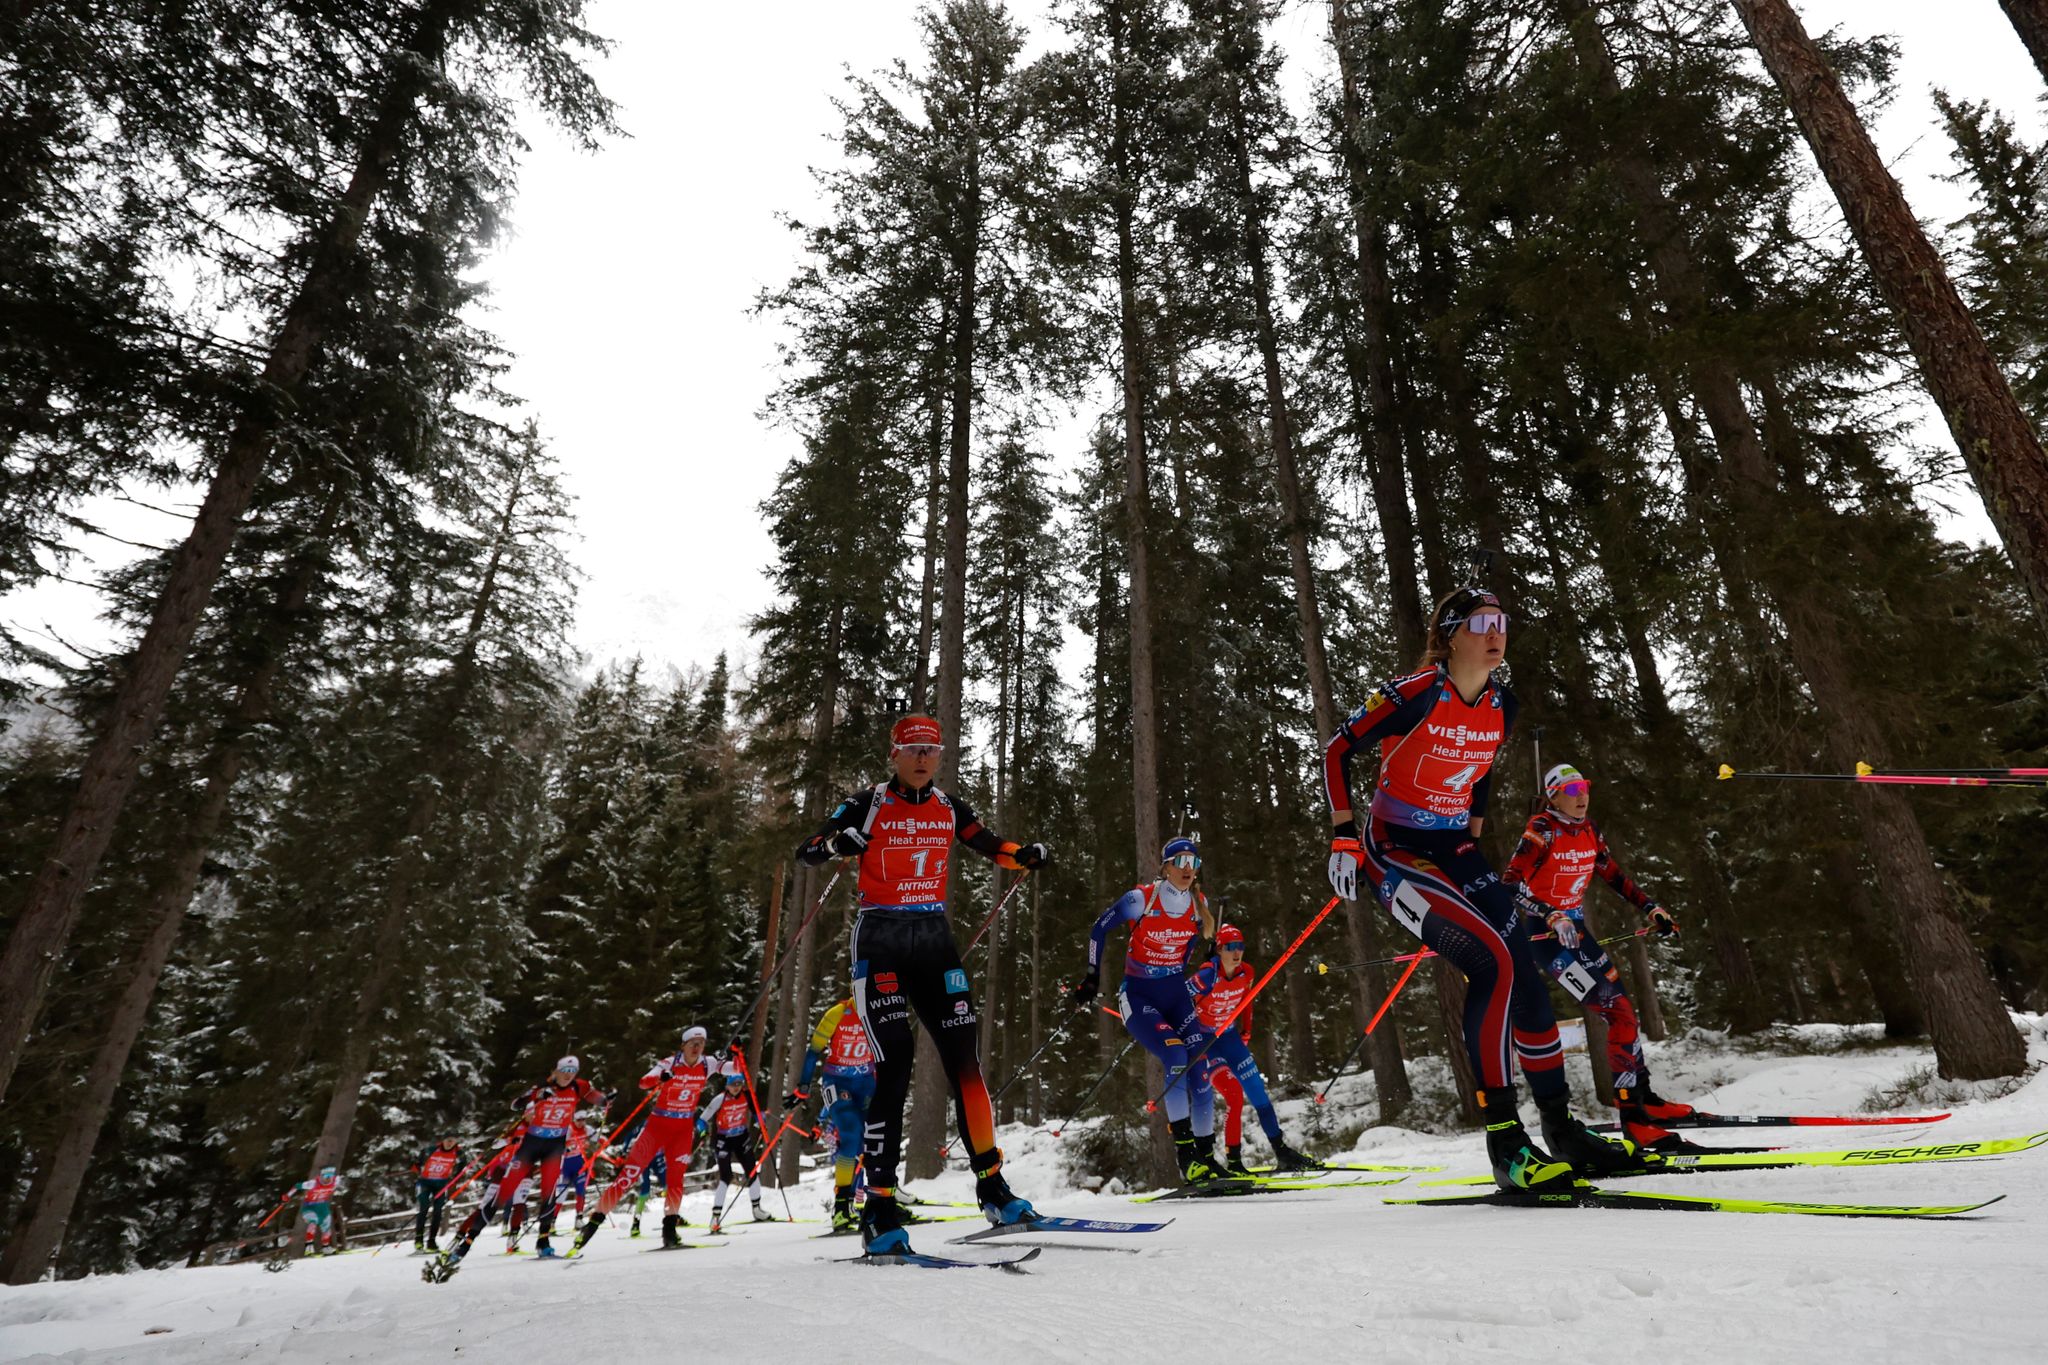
1726, 772
1321, 1098
1863, 769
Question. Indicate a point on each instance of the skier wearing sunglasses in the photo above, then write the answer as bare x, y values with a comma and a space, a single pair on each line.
1561, 851
1438, 730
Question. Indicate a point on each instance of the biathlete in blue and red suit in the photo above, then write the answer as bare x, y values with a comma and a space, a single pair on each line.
550, 1112
839, 1044
905, 959
1438, 730
683, 1083
1222, 988
1562, 850
1169, 916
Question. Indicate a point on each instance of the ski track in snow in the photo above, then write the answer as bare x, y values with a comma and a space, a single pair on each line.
1298, 1276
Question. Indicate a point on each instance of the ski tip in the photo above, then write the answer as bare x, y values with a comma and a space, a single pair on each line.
1864, 769
1726, 772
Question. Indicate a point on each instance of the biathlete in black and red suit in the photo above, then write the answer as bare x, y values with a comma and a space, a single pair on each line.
1562, 850
1438, 730
905, 959
550, 1112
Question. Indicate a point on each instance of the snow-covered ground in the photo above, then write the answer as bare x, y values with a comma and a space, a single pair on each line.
1307, 1276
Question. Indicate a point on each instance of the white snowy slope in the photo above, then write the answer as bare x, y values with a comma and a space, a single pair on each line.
1297, 1277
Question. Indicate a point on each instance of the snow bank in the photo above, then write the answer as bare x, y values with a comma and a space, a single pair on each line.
1300, 1276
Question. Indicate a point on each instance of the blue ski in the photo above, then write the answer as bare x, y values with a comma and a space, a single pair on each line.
1045, 1224
940, 1262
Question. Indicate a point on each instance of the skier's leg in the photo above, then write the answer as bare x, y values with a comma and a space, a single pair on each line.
884, 1012
676, 1149
423, 1194
1224, 1081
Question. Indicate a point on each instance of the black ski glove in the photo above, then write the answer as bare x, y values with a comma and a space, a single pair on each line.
1083, 992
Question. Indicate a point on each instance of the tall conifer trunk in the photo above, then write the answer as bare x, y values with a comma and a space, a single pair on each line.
924, 1134
50, 912
2030, 17
1974, 1037
1997, 441
1376, 305
1137, 504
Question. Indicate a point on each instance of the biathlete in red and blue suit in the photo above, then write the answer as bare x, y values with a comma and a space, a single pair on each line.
1438, 730
679, 1082
1222, 989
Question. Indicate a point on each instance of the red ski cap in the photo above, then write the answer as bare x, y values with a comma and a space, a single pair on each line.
1230, 936
915, 730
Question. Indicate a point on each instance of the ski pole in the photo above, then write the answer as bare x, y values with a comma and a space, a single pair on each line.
1869, 776
985, 924
1081, 1105
279, 1209
740, 1056
1374, 1023
767, 1151
1245, 1004
1865, 770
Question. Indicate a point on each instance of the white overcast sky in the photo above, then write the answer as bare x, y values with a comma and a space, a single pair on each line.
625, 284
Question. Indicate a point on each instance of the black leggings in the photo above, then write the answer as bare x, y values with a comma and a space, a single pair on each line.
905, 961
433, 1197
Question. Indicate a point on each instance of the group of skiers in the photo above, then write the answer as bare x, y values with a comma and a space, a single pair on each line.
1186, 989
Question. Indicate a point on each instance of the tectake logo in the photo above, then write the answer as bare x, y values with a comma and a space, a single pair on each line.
959, 1007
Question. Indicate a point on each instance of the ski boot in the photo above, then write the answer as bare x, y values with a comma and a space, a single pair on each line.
1196, 1156
1287, 1159
434, 1245
844, 1219
442, 1268
669, 1236
1591, 1155
1641, 1111
546, 1250
639, 1207
999, 1203
762, 1215
418, 1245
588, 1231
881, 1225
1233, 1161
1518, 1164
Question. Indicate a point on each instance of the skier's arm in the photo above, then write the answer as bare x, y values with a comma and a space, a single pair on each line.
1127, 908
1005, 853
1530, 854
1394, 708
839, 836
656, 1074
821, 1038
